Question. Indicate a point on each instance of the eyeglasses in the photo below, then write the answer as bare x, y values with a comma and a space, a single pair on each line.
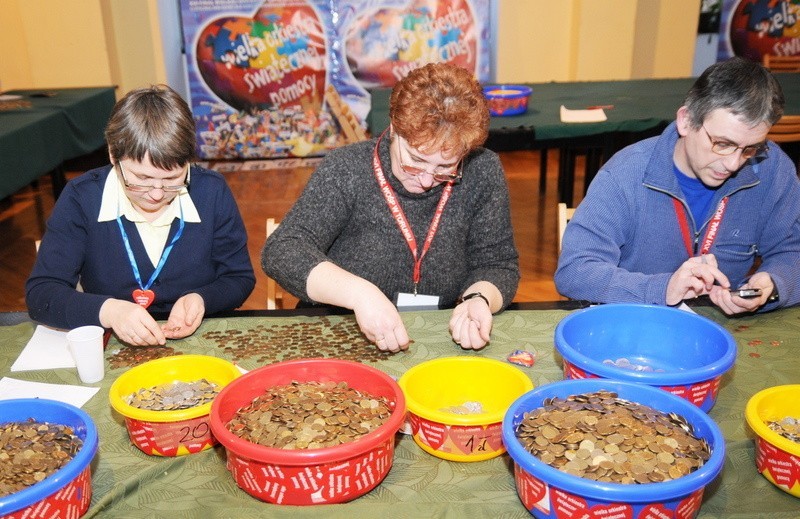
440, 173
143, 188
729, 148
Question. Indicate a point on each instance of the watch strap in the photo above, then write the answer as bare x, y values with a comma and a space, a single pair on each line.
470, 296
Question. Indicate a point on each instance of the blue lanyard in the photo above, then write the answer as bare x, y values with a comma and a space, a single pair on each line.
164, 254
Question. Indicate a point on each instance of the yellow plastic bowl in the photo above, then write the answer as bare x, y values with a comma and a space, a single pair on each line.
170, 433
433, 387
777, 458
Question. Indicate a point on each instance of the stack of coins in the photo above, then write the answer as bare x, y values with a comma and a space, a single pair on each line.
468, 407
601, 437
174, 396
30, 451
788, 427
309, 415
314, 338
130, 356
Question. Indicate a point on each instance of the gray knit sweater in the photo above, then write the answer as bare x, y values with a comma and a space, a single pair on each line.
342, 217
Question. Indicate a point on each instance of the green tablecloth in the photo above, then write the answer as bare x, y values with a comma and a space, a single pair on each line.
639, 105
38, 139
128, 483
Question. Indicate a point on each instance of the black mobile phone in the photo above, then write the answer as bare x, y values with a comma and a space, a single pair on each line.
746, 293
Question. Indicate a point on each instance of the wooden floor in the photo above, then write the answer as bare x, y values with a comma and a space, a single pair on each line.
263, 194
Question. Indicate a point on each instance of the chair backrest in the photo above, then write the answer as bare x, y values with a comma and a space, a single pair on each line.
781, 63
787, 129
273, 294
564, 216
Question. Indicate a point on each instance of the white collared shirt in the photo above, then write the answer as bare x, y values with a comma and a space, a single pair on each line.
154, 234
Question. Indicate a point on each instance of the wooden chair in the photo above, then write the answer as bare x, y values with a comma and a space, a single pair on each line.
564, 216
786, 132
274, 295
781, 63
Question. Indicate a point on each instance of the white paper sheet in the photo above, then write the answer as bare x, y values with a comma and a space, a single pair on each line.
11, 388
47, 349
594, 115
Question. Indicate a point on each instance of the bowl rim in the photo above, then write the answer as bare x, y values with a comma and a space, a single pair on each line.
514, 90
653, 378
469, 420
55, 482
616, 492
119, 404
761, 429
297, 457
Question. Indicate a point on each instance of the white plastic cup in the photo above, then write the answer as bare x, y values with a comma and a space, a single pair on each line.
86, 347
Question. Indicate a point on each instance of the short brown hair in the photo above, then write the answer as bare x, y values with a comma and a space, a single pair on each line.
153, 121
440, 106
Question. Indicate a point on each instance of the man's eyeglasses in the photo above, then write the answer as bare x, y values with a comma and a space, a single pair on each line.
144, 188
439, 174
729, 148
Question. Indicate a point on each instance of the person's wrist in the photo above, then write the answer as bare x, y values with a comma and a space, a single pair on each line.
473, 295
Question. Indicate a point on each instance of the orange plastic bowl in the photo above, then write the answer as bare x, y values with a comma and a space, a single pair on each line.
309, 476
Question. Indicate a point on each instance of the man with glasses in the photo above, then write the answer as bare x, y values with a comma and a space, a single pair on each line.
708, 208
418, 217
149, 232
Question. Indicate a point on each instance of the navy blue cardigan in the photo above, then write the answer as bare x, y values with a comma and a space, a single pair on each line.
210, 258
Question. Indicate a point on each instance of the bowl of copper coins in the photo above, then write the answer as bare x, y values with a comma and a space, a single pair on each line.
309, 431
456, 405
604, 448
46, 449
676, 350
166, 402
774, 416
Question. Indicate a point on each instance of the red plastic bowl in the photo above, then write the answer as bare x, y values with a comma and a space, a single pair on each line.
309, 476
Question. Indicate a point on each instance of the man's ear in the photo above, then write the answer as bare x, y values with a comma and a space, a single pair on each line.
682, 122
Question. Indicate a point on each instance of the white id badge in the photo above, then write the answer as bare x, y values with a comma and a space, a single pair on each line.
406, 301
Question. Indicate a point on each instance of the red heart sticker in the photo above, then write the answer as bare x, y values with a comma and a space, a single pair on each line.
144, 297
430, 433
531, 489
569, 506
782, 466
689, 507
655, 511
477, 440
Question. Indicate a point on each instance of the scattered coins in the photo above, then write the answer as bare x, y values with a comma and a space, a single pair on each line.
130, 356
788, 427
465, 408
174, 396
626, 364
30, 451
318, 338
601, 437
309, 415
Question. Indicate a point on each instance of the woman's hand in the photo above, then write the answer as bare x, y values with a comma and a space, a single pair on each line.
471, 324
380, 321
131, 323
186, 315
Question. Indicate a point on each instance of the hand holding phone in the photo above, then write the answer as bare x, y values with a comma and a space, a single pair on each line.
746, 293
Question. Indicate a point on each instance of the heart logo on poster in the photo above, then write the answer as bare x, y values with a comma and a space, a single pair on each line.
272, 60
384, 47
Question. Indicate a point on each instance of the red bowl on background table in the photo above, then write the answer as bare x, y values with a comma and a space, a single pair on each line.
309, 476
507, 99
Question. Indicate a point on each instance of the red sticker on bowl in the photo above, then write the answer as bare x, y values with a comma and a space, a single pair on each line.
569, 506
432, 434
782, 466
477, 440
689, 507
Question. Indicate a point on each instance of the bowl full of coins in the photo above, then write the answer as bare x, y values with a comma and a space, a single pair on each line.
166, 402
678, 351
309, 431
507, 100
774, 416
456, 405
46, 449
604, 448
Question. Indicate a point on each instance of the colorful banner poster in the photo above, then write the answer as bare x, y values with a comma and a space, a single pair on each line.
280, 78
753, 28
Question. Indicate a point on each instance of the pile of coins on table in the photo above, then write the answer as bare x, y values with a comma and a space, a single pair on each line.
601, 437
309, 415
788, 427
315, 338
626, 364
130, 356
174, 395
30, 451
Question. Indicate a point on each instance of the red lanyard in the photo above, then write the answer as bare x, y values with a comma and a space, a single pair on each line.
400, 216
711, 230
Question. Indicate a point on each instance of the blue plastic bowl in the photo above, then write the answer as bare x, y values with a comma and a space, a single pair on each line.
76, 472
507, 99
542, 488
688, 353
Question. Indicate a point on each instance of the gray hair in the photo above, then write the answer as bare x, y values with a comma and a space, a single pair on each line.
740, 85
